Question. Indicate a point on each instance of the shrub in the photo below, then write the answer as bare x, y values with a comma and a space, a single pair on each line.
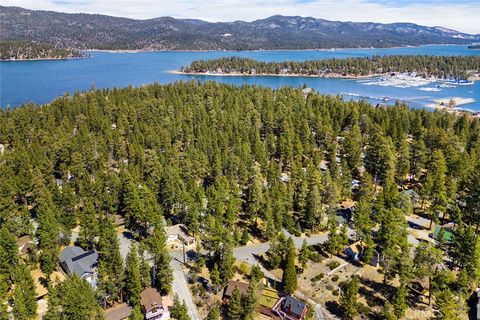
329, 287
318, 277
335, 293
333, 264
315, 257
335, 278
243, 268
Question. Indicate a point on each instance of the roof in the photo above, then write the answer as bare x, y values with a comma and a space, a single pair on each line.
356, 247
149, 298
242, 287
447, 233
76, 260
24, 240
176, 229
24, 244
120, 312
293, 305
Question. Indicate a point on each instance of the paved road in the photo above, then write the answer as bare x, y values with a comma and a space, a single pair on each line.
180, 286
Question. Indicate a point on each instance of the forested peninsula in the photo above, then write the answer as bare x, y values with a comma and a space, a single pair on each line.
442, 67
235, 165
24, 50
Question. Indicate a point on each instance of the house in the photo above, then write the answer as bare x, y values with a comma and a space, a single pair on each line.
120, 312
355, 250
179, 232
75, 260
447, 230
411, 195
290, 308
241, 286
25, 246
152, 306
266, 301
344, 216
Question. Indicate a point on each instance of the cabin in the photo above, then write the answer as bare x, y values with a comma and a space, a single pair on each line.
179, 232
75, 260
152, 305
447, 230
344, 216
232, 285
355, 250
290, 308
266, 301
120, 312
25, 245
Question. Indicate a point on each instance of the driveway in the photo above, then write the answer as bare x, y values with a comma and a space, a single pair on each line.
180, 286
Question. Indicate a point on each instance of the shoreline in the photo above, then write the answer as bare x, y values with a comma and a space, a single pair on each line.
44, 59
299, 75
292, 75
260, 50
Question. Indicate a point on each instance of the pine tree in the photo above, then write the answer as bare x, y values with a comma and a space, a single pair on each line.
163, 273
226, 262
290, 272
111, 269
74, 299
400, 305
214, 313
249, 301
446, 305
133, 282
235, 306
89, 227
435, 186
25, 306
304, 254
179, 309
348, 298
352, 149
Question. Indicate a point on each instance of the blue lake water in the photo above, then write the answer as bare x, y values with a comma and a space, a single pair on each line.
42, 81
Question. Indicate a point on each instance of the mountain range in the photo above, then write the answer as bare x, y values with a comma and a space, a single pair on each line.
95, 31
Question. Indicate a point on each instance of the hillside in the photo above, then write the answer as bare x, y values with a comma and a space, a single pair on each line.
87, 31
22, 50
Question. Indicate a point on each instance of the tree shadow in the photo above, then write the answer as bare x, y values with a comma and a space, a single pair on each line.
384, 289
334, 308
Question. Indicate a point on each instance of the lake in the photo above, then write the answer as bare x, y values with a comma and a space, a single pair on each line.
42, 81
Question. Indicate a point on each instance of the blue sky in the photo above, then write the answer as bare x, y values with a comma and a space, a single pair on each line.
460, 15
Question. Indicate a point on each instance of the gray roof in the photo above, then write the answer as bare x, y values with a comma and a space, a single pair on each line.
293, 305
76, 260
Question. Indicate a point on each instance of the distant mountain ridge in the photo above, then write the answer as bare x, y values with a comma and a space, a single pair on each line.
95, 31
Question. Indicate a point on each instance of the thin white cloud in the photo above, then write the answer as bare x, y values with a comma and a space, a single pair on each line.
458, 15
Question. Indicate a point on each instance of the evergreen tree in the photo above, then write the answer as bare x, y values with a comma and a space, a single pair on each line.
179, 309
304, 254
290, 271
74, 299
111, 269
348, 298
133, 282
235, 311
214, 314
25, 306
435, 186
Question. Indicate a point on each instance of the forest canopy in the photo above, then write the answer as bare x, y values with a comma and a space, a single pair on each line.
24, 50
443, 67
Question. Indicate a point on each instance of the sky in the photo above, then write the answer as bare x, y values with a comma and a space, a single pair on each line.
459, 15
